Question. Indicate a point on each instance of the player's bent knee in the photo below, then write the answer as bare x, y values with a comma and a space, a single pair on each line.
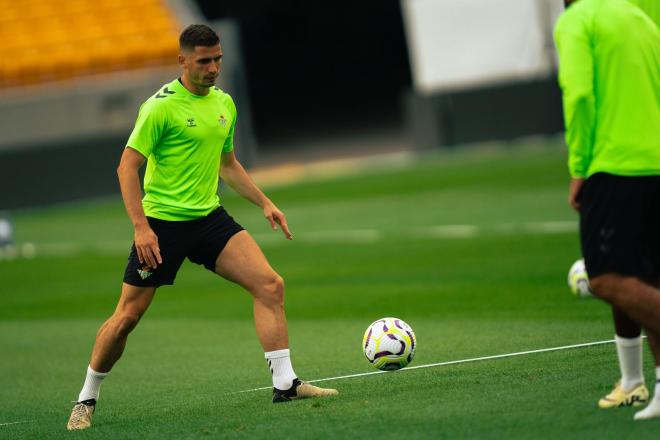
275, 288
598, 286
604, 286
272, 290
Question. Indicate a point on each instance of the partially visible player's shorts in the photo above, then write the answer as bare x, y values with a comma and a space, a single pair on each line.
620, 226
200, 240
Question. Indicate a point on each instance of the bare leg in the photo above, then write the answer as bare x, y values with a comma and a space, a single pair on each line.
654, 340
242, 262
638, 300
653, 409
654, 343
111, 337
641, 302
629, 349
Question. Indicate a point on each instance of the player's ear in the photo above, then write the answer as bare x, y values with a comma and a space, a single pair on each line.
182, 60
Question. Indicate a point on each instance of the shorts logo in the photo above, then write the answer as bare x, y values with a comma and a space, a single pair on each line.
144, 272
191, 122
222, 120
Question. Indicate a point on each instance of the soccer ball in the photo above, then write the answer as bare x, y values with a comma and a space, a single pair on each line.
578, 280
389, 344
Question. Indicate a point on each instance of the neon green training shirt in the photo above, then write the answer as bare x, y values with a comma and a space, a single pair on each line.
182, 135
609, 73
651, 8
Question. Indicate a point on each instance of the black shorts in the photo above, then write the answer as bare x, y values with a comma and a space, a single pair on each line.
200, 240
620, 226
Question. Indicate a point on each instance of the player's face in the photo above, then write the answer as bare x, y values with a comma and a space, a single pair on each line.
202, 65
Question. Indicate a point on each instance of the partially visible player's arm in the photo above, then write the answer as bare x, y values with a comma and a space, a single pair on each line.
146, 241
576, 78
574, 192
235, 175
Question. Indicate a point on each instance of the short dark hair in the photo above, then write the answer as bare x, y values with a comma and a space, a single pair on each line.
197, 35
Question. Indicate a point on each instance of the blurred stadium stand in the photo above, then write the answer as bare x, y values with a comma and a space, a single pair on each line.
50, 41
324, 79
74, 81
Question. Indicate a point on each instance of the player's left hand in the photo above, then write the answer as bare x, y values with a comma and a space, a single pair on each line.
574, 193
276, 217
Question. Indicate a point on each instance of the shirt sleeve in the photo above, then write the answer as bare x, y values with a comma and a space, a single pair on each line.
576, 78
149, 127
229, 141
651, 8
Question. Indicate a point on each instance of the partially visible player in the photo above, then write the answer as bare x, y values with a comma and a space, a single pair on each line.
609, 72
185, 134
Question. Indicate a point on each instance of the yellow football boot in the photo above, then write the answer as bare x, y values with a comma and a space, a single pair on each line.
637, 396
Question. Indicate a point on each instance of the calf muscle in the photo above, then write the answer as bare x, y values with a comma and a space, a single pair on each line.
640, 301
113, 334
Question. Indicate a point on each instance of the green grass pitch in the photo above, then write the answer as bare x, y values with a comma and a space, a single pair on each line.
471, 248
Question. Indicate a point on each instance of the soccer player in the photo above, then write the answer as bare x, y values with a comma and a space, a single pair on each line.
609, 72
185, 134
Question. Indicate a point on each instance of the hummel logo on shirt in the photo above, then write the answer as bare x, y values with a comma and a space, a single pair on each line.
166, 91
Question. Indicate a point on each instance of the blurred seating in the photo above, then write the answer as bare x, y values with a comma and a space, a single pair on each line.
51, 41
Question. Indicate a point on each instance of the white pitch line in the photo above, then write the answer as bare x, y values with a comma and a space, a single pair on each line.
448, 231
365, 236
460, 361
551, 227
15, 423
437, 364
349, 236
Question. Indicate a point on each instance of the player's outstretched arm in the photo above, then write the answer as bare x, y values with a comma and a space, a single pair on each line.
235, 175
146, 241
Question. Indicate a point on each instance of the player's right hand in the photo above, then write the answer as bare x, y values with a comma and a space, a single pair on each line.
574, 193
146, 244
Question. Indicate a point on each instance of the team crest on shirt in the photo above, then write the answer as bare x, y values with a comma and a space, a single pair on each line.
191, 122
222, 120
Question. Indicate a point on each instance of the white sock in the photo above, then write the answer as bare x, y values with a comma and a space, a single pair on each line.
90, 389
629, 351
656, 393
280, 366
653, 408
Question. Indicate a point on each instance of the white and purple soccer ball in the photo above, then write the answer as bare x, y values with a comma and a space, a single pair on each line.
389, 344
578, 280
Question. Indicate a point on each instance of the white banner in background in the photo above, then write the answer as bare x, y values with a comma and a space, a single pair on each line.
463, 44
